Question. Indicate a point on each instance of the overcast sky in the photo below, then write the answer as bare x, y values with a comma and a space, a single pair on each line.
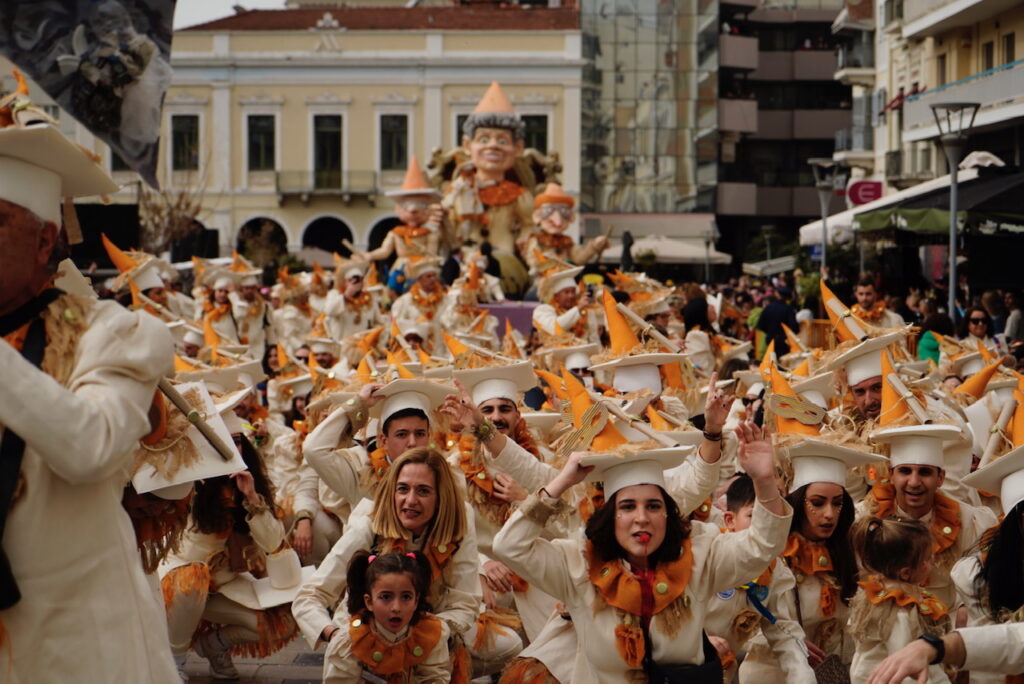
192, 12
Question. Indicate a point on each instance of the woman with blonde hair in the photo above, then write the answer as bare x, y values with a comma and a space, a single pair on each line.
417, 507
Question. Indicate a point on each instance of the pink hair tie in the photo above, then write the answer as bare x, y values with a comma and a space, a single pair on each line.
371, 559
411, 555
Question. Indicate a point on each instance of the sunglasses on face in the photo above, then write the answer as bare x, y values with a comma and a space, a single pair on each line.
413, 205
979, 321
549, 209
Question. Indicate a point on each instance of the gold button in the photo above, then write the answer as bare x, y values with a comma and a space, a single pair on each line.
947, 530
881, 595
442, 548
627, 619
605, 571
925, 609
481, 475
928, 594
377, 656
823, 561
380, 472
661, 587
351, 402
331, 375
418, 651
359, 415
451, 443
357, 622
686, 600
703, 508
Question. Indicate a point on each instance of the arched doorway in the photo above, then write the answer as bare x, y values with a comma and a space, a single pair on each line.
380, 231
329, 234
262, 240
199, 241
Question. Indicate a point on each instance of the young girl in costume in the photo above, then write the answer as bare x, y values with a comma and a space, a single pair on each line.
891, 609
389, 634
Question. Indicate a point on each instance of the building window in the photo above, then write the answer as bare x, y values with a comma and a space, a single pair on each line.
261, 142
394, 142
988, 55
460, 121
1009, 48
185, 142
327, 150
117, 162
537, 131
940, 70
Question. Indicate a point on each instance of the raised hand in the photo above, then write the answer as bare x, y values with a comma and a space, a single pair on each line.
716, 407
756, 455
460, 409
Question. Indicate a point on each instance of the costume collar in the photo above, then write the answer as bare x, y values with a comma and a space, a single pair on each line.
878, 590
386, 657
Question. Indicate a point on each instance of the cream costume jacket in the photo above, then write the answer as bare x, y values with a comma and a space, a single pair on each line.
345, 318
903, 630
999, 648
698, 349
255, 323
342, 667
963, 574
455, 596
292, 326
545, 316
86, 605
340, 469
559, 567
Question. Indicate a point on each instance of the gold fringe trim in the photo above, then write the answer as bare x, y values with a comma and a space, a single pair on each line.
277, 629
175, 451
66, 320
491, 623
186, 580
672, 619
527, 671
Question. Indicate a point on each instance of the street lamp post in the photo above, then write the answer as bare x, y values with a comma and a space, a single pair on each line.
954, 121
824, 181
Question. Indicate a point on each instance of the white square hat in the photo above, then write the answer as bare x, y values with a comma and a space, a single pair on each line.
1004, 475
617, 470
285, 576
424, 395
917, 444
558, 281
817, 390
816, 460
497, 382
576, 356
39, 167
638, 371
864, 361
751, 379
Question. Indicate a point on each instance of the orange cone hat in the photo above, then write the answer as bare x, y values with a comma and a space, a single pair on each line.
455, 346
554, 383
656, 420
976, 384
803, 370
414, 178
788, 426
1017, 422
986, 354
795, 345
621, 336
609, 437
370, 339
893, 406
767, 361
838, 323
672, 376
494, 101
363, 372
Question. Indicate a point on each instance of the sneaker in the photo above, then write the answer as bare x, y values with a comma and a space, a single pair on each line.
209, 646
179, 663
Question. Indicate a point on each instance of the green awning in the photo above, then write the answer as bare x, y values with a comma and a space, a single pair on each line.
922, 221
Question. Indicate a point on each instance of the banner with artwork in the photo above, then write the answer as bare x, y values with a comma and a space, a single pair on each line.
107, 63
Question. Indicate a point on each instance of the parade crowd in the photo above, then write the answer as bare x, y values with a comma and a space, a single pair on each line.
750, 481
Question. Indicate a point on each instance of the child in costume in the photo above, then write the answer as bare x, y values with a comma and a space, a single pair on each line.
891, 609
390, 635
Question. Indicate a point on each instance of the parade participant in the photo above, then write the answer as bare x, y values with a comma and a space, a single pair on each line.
486, 198
817, 551
462, 314
701, 347
638, 590
891, 608
319, 285
219, 325
77, 378
251, 313
554, 213
233, 527
402, 407
760, 614
425, 299
388, 631
564, 310
350, 307
293, 320
417, 507
999, 648
140, 272
988, 581
419, 234
871, 308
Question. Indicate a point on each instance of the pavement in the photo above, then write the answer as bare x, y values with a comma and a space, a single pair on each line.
294, 664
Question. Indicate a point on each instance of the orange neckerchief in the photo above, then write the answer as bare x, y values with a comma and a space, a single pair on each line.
475, 472
426, 302
379, 464
410, 233
810, 558
385, 658
946, 522
872, 315
437, 555
621, 589
360, 301
17, 338
218, 312
555, 240
927, 604
501, 194
580, 329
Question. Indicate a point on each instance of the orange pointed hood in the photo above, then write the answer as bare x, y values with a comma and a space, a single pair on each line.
622, 338
494, 101
788, 426
609, 438
976, 384
893, 406
838, 313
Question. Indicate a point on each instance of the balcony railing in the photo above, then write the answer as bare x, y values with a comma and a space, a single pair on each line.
904, 170
857, 56
991, 89
333, 183
854, 139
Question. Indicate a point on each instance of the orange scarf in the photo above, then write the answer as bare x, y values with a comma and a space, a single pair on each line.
385, 658
218, 312
501, 194
621, 589
927, 604
946, 522
360, 301
437, 555
872, 315
811, 558
379, 464
553, 240
475, 472
426, 302
580, 329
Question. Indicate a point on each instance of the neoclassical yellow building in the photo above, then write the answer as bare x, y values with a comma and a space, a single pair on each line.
305, 117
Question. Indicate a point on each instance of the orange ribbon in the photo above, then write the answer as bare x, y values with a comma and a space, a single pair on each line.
384, 658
